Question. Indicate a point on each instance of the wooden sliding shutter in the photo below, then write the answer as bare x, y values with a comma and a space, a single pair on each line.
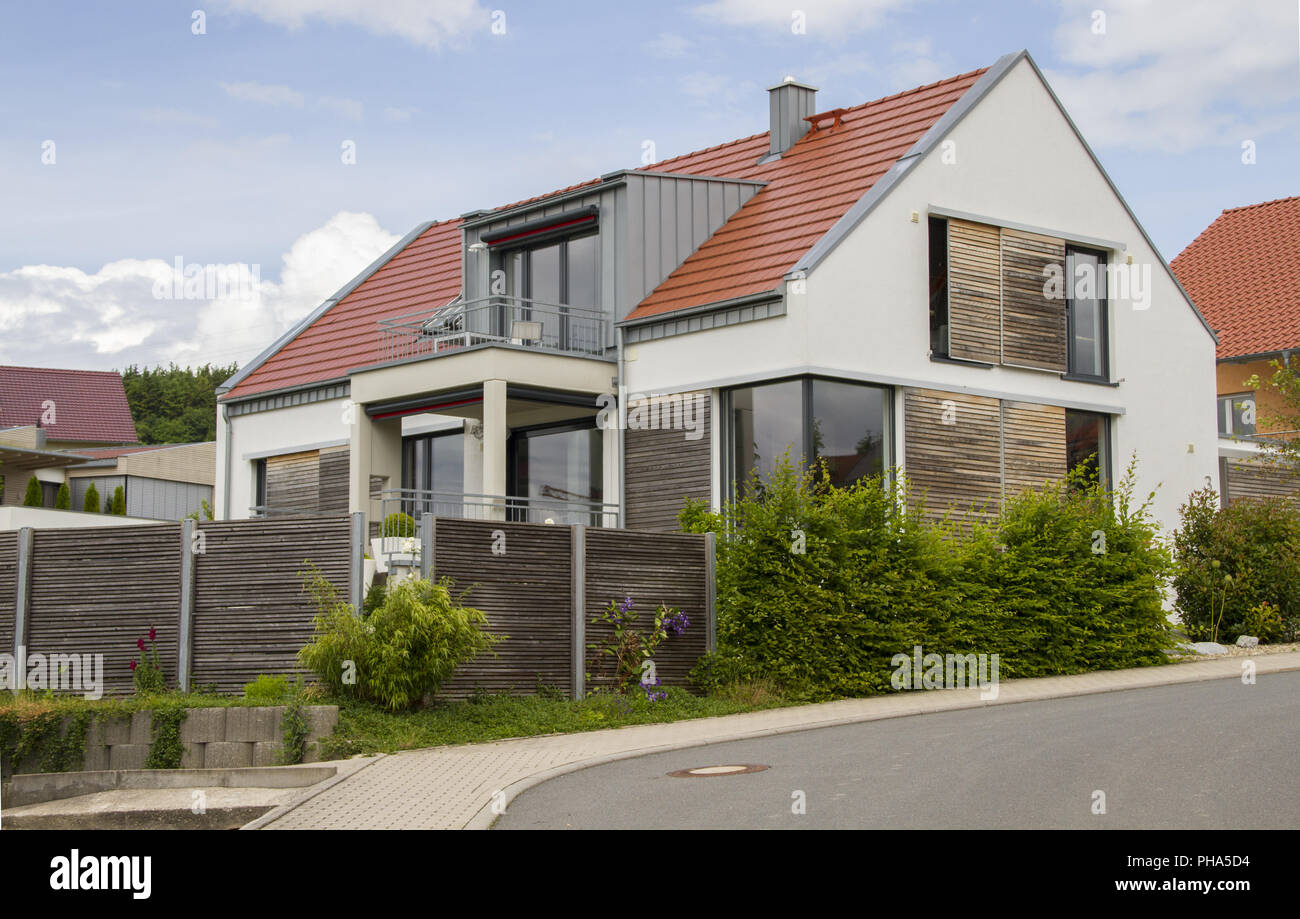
664, 466
974, 292
953, 452
1033, 446
1033, 326
293, 480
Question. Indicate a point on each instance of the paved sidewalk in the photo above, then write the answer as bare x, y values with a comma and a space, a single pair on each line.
466, 786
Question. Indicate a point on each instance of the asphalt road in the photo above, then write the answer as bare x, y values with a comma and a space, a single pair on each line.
1217, 754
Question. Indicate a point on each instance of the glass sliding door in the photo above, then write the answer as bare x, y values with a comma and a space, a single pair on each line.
433, 469
560, 470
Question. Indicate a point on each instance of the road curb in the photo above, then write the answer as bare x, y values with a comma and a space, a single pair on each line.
1165, 675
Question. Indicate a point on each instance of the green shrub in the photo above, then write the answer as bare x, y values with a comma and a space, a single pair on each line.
404, 650
119, 502
267, 690
90, 503
1231, 561
33, 496
399, 525
819, 587
63, 500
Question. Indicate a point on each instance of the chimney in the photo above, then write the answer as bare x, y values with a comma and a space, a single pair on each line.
790, 102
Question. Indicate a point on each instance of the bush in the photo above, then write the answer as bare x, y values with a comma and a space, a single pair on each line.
1233, 561
399, 525
819, 587
268, 690
90, 503
405, 649
119, 502
33, 497
63, 500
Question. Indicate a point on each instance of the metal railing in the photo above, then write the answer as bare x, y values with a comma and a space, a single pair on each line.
553, 510
493, 320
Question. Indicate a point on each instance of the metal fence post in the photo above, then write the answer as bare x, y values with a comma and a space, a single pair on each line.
23, 599
427, 543
185, 640
710, 593
578, 592
357, 566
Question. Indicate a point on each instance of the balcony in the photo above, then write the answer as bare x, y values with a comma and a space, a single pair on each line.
515, 321
552, 508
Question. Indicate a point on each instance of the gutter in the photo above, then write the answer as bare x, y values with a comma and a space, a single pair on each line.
225, 492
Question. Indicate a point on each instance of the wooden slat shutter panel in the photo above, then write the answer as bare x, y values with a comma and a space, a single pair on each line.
1033, 446
664, 468
1248, 480
1033, 326
974, 292
293, 481
953, 452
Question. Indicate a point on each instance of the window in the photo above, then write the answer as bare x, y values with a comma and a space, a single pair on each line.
939, 286
1085, 312
259, 483
839, 423
1237, 414
557, 274
434, 462
1087, 444
556, 464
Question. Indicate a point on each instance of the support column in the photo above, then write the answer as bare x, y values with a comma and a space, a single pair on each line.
494, 444
578, 594
357, 563
23, 600
190, 547
359, 461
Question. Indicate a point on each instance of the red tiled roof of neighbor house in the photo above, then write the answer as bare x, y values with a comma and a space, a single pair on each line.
807, 190
88, 405
1243, 273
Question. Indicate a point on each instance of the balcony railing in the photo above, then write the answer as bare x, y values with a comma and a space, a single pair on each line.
493, 320
560, 511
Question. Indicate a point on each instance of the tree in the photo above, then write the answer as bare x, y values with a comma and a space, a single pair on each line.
119, 502
175, 405
33, 497
1284, 383
90, 504
63, 500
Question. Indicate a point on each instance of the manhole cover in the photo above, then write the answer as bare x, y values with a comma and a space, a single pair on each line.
705, 772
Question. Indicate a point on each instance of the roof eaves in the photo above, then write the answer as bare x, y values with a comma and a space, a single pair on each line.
760, 297
324, 308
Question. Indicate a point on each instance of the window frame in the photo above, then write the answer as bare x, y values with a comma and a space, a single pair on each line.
946, 259
522, 286
806, 403
1104, 448
259, 482
1103, 313
1226, 413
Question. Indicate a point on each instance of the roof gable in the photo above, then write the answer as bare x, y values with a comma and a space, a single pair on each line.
88, 405
1243, 272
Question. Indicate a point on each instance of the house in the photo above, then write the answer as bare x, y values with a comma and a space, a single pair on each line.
944, 281
75, 427
1243, 272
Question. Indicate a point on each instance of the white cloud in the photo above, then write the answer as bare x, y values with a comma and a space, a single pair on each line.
63, 316
423, 22
348, 108
395, 113
828, 20
1173, 77
668, 44
264, 93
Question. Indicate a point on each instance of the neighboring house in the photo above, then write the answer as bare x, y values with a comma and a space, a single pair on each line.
870, 286
75, 426
1243, 272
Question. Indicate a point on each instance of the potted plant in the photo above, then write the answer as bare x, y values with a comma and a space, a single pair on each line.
398, 546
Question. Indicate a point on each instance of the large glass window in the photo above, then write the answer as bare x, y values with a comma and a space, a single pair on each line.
1086, 312
558, 466
1087, 443
434, 462
548, 278
809, 419
1237, 414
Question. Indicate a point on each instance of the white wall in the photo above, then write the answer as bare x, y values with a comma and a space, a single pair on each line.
13, 518
282, 430
865, 316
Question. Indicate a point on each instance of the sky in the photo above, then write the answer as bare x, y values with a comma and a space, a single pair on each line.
280, 146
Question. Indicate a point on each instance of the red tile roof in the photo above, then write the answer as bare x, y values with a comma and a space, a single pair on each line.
808, 189
1243, 273
89, 405
424, 275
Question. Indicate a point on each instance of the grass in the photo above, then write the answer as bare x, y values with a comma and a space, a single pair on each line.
28, 704
365, 729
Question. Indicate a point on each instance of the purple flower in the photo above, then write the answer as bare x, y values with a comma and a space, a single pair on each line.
153, 634
133, 665
139, 643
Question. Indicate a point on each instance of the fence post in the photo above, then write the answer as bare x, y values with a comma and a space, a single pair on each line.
185, 640
427, 542
578, 593
357, 566
23, 599
710, 593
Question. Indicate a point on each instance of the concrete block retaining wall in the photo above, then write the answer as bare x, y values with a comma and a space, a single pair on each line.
212, 738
